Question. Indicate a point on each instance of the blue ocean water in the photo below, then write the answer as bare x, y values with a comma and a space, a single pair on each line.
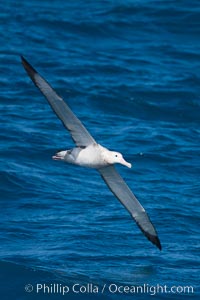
131, 71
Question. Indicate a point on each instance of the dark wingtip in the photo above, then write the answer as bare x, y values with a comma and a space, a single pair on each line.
29, 69
155, 240
24, 61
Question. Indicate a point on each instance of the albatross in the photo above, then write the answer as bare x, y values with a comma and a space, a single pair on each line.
88, 153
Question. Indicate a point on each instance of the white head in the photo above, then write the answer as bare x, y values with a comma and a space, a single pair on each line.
113, 157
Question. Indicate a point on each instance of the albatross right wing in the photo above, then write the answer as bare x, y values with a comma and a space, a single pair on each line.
79, 133
120, 189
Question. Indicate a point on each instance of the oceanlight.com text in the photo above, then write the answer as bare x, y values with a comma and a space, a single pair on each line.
113, 288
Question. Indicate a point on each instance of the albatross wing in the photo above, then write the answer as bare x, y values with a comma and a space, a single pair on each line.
79, 133
120, 189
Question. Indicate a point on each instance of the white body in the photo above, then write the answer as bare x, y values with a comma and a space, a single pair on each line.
93, 156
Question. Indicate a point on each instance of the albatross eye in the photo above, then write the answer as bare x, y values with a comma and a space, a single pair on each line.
116, 155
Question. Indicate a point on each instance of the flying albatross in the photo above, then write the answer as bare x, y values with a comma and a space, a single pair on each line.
89, 153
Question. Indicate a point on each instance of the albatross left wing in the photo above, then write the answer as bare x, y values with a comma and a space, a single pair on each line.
79, 133
120, 189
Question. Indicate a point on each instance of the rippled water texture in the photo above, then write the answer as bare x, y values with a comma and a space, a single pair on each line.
130, 71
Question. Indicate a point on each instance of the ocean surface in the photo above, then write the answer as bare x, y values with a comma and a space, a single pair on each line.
130, 70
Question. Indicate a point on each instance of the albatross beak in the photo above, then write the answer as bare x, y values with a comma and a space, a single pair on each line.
125, 163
